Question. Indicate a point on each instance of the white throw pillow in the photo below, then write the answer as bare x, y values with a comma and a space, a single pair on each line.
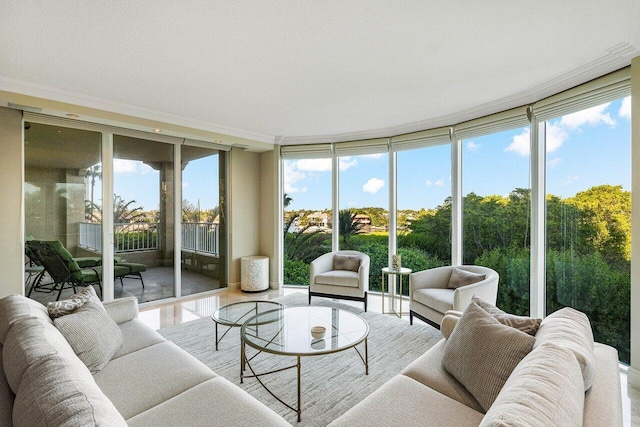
92, 334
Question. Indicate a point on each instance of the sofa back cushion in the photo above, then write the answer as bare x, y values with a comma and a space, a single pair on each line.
6, 398
16, 307
545, 390
481, 353
346, 262
571, 329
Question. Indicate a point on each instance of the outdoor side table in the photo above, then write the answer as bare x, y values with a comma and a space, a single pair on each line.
402, 272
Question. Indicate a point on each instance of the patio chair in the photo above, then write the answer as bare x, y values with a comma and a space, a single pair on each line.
64, 270
342, 275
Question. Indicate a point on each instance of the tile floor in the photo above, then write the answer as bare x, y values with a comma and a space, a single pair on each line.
160, 316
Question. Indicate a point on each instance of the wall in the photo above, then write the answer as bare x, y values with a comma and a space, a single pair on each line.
244, 210
270, 215
634, 371
11, 177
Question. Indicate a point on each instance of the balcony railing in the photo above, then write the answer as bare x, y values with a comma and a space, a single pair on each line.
199, 237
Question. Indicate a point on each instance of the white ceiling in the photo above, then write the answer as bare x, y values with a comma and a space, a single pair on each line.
307, 71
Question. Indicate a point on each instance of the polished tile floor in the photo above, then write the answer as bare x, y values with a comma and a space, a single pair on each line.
160, 316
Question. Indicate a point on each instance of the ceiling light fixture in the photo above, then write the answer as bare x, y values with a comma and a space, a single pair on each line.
72, 116
157, 130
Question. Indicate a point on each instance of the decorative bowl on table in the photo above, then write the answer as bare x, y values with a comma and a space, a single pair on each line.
318, 332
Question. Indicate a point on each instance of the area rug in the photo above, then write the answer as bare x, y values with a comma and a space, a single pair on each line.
331, 384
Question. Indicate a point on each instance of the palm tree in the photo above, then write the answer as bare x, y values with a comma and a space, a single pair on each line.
302, 245
93, 172
287, 200
347, 224
124, 213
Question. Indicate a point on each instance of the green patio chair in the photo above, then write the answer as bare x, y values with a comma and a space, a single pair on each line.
64, 270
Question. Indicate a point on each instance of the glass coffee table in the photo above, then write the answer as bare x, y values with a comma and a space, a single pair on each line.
286, 331
234, 315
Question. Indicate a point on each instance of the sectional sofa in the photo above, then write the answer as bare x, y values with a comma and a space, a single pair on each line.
546, 388
148, 381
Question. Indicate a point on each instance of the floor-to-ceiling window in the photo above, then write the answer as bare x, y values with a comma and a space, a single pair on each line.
307, 211
62, 198
143, 215
588, 218
496, 208
424, 207
203, 252
363, 221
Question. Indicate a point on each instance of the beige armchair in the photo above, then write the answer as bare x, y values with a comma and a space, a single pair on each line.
430, 297
340, 274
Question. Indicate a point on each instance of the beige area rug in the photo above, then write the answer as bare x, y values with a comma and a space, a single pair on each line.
331, 384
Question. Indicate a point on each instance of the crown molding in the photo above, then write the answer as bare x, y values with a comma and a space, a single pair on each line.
74, 98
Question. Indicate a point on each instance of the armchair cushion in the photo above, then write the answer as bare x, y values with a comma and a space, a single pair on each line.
481, 353
528, 325
346, 262
338, 278
463, 278
438, 299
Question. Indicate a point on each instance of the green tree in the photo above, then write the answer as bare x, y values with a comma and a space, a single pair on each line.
347, 225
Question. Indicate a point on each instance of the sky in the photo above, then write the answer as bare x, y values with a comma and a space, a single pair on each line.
134, 180
584, 149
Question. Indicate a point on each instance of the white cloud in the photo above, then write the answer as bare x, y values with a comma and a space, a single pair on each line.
429, 183
439, 183
314, 165
345, 163
556, 136
471, 146
520, 143
291, 176
185, 184
554, 162
373, 156
591, 116
625, 108
373, 185
124, 166
571, 180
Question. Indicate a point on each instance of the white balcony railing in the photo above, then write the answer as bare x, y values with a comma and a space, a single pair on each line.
143, 236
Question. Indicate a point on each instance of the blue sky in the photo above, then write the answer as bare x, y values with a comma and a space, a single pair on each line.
587, 148
134, 180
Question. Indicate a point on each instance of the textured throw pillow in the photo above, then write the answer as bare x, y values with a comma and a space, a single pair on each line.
346, 262
68, 306
528, 325
481, 353
92, 334
570, 328
463, 278
545, 389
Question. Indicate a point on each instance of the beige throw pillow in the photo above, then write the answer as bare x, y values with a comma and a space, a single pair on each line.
463, 278
481, 353
68, 306
92, 334
346, 262
525, 324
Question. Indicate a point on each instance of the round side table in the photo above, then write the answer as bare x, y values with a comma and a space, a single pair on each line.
254, 273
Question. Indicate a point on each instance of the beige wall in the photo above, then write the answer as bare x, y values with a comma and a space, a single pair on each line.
11, 249
634, 371
244, 210
270, 214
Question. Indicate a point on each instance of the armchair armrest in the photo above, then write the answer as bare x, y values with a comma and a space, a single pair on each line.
320, 265
432, 278
486, 289
363, 272
123, 309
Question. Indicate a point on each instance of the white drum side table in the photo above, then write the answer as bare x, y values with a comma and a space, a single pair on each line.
254, 273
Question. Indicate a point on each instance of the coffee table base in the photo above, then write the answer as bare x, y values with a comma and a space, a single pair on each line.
246, 362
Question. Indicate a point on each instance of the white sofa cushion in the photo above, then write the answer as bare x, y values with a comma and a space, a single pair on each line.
213, 402
544, 390
6, 397
571, 329
92, 334
481, 353
136, 336
338, 278
16, 307
437, 298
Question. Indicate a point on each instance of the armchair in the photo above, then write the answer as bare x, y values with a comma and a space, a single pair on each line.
340, 274
430, 297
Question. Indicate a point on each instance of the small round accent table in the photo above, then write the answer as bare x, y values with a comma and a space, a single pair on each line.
254, 273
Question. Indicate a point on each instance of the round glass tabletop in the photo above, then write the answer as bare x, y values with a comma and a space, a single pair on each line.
237, 313
287, 330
